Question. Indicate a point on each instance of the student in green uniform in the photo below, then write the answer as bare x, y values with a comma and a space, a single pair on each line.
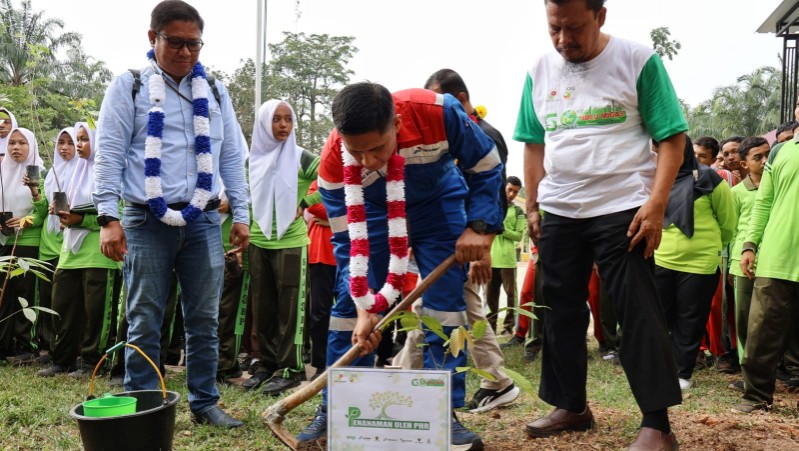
280, 174
700, 220
22, 205
503, 259
86, 283
65, 161
771, 237
754, 152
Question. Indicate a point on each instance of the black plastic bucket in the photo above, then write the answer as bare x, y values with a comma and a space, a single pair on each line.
152, 427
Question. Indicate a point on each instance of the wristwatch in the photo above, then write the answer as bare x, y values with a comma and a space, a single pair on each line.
478, 225
103, 220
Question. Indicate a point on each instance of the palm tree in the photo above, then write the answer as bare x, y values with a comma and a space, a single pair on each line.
28, 43
749, 107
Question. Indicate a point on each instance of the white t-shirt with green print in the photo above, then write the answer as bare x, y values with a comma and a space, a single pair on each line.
595, 120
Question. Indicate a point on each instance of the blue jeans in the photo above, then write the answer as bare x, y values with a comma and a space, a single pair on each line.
196, 255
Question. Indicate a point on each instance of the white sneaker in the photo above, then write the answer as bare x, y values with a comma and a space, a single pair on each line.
685, 384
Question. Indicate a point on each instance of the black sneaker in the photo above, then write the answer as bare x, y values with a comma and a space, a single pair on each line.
514, 341
44, 359
256, 380
83, 372
318, 427
279, 384
23, 359
737, 385
791, 382
531, 353
224, 376
244, 363
486, 399
462, 438
55, 370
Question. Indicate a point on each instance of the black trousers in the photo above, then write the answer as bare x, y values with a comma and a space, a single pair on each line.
46, 322
233, 295
686, 300
322, 280
567, 248
277, 288
18, 334
84, 298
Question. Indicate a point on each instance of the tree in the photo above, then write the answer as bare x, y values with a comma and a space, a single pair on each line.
661, 43
28, 43
241, 86
306, 71
46, 93
749, 107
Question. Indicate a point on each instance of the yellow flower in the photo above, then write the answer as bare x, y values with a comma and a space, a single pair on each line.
481, 111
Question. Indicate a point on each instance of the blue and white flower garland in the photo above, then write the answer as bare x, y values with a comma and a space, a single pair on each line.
202, 149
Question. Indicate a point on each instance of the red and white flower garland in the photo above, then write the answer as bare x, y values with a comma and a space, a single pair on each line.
359, 234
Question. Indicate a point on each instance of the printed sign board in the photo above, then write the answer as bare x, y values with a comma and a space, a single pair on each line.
388, 409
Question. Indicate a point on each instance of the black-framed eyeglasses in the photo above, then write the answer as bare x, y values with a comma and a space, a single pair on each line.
177, 44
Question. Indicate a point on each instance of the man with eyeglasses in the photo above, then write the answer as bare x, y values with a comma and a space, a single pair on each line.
162, 147
7, 123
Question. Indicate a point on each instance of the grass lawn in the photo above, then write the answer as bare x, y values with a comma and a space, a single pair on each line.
34, 414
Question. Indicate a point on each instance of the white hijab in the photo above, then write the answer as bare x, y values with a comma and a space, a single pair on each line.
273, 172
16, 197
4, 141
62, 170
79, 191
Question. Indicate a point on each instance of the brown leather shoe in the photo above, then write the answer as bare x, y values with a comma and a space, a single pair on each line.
650, 439
560, 420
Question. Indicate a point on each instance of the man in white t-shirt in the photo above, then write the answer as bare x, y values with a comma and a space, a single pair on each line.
586, 116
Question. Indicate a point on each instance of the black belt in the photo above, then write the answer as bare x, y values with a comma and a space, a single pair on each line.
213, 204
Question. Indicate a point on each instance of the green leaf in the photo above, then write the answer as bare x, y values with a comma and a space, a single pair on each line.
17, 272
409, 321
434, 326
22, 302
520, 380
530, 315
46, 310
484, 374
462, 369
479, 329
30, 314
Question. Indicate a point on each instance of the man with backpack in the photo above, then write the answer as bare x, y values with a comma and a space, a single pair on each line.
163, 152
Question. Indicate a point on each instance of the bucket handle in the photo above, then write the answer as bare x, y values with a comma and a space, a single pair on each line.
115, 348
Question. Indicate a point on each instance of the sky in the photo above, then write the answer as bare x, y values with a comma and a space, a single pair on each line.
491, 44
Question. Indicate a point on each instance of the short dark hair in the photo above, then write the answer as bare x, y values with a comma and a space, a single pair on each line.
787, 127
362, 108
513, 180
448, 81
731, 139
708, 142
750, 143
171, 10
594, 5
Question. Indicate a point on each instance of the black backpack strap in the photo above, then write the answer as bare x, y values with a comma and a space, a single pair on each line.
306, 159
212, 83
136, 82
137, 85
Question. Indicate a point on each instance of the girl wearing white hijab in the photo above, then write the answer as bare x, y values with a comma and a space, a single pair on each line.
25, 210
81, 282
280, 174
65, 160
